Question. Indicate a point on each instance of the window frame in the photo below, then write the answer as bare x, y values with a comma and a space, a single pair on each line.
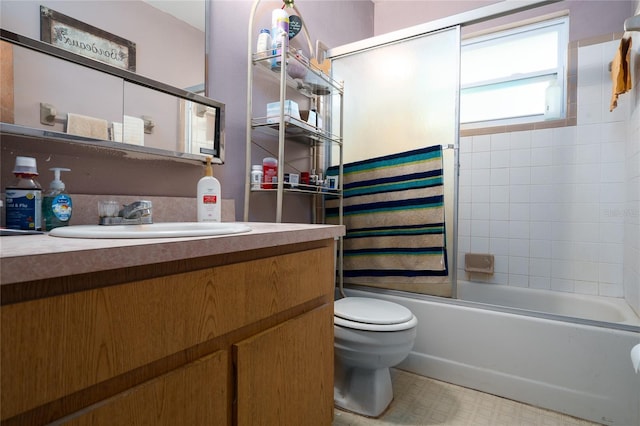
560, 25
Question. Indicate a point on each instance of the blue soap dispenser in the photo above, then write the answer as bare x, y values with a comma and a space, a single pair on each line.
56, 203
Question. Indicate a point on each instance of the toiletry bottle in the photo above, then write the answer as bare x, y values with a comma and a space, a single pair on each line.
209, 197
263, 47
270, 172
279, 36
256, 176
56, 203
24, 197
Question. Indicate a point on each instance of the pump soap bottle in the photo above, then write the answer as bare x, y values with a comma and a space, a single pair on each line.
56, 204
209, 196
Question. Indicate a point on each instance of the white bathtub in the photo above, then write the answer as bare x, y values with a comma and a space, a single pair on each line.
596, 308
581, 369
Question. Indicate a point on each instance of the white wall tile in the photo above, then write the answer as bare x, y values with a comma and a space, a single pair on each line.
479, 245
519, 212
480, 211
540, 268
481, 143
542, 156
481, 160
520, 157
518, 229
517, 280
542, 283
520, 176
541, 230
589, 134
542, 175
500, 159
586, 287
520, 140
519, 247
610, 273
542, 138
559, 284
519, 194
500, 141
479, 228
499, 194
499, 229
540, 249
499, 246
480, 177
466, 144
499, 176
481, 194
518, 265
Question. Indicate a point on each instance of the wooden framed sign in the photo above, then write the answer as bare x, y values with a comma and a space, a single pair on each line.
83, 39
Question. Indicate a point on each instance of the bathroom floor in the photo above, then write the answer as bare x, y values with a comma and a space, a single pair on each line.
420, 401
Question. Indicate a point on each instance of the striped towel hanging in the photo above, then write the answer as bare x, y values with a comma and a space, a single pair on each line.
394, 215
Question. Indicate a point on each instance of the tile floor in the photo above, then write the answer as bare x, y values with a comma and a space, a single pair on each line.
420, 401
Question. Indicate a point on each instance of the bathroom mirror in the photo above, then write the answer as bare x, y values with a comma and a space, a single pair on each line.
163, 31
57, 91
61, 93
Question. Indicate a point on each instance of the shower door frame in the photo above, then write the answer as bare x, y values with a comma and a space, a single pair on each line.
423, 30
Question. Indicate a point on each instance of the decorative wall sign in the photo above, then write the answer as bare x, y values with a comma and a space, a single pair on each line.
295, 25
83, 39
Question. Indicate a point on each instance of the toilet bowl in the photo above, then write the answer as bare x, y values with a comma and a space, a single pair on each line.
370, 336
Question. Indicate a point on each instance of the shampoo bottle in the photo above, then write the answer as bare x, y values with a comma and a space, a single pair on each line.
24, 197
209, 196
56, 204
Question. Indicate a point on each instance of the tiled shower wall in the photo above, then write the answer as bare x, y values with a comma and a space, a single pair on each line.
556, 206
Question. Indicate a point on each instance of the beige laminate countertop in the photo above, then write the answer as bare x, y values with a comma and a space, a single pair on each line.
38, 257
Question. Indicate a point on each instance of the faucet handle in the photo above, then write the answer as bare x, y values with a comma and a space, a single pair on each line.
137, 209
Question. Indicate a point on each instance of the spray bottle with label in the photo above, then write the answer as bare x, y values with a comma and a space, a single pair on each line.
24, 197
209, 197
56, 204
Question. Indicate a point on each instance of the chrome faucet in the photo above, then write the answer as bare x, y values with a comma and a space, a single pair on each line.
136, 213
136, 210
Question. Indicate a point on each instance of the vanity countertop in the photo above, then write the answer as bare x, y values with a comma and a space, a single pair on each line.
40, 257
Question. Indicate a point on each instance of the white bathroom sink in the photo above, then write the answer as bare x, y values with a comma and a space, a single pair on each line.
152, 230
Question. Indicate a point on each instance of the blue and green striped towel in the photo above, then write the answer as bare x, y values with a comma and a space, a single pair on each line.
394, 215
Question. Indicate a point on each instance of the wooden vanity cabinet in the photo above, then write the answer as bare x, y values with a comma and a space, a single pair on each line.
247, 340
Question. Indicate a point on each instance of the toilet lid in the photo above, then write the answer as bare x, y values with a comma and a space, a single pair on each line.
371, 311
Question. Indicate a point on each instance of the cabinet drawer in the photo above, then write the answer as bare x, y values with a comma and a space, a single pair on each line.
196, 394
56, 346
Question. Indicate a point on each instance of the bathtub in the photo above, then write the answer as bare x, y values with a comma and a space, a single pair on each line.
593, 308
580, 367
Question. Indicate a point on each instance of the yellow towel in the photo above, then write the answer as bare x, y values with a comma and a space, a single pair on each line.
621, 72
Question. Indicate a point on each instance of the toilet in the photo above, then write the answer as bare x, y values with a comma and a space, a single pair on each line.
370, 336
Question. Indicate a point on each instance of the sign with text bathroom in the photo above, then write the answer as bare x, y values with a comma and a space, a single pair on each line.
83, 39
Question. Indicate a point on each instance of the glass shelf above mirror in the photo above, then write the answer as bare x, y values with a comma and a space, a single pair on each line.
70, 97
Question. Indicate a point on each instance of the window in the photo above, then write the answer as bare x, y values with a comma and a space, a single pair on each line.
515, 76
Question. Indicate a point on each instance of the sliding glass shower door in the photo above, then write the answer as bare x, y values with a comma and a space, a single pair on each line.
400, 96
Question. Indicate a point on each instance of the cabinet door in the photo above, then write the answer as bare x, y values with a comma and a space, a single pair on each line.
285, 374
196, 394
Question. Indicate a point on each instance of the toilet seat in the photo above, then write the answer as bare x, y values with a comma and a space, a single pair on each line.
362, 313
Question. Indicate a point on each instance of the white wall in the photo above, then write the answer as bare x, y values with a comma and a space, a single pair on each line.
551, 204
631, 266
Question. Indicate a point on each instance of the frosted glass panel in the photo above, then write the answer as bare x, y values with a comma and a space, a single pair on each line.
400, 96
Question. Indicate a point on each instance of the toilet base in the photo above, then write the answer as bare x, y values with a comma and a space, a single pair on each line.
362, 391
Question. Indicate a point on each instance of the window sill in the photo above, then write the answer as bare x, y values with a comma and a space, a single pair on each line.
549, 124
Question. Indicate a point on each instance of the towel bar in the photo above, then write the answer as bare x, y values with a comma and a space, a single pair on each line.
49, 116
